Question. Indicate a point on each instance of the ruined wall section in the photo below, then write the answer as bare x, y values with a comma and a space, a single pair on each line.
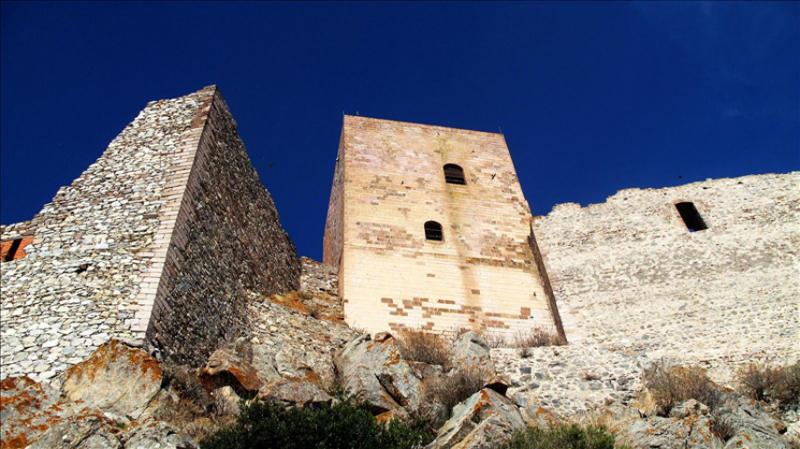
80, 279
482, 275
227, 243
629, 277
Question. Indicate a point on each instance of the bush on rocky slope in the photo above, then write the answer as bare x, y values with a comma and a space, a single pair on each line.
568, 436
421, 346
344, 425
457, 385
671, 385
779, 385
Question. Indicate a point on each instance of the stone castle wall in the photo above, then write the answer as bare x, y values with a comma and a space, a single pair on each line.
389, 181
630, 277
227, 241
635, 287
102, 247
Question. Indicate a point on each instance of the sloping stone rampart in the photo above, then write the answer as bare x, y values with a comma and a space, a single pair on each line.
81, 278
165, 231
227, 241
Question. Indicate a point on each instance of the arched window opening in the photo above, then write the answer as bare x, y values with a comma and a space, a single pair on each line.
691, 218
453, 174
433, 231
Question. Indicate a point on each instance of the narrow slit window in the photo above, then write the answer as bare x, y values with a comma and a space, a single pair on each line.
11, 249
691, 218
433, 231
453, 174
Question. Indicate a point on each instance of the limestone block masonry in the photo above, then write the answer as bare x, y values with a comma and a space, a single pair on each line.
161, 239
629, 276
482, 274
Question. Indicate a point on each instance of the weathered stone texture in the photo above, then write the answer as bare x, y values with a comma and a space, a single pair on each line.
634, 286
388, 182
227, 242
629, 276
81, 278
317, 278
168, 229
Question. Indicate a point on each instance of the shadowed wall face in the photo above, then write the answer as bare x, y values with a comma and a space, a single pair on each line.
390, 186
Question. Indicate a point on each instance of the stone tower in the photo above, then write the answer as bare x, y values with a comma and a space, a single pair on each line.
429, 229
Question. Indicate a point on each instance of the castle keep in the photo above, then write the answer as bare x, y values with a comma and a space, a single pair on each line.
429, 229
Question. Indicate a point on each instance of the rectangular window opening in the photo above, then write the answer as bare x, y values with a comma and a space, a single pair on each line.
12, 250
691, 217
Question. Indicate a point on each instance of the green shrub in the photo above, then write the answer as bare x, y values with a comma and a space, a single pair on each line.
671, 385
568, 436
344, 425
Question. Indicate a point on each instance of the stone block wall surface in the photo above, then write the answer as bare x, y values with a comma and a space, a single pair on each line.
81, 278
388, 182
629, 276
117, 251
318, 278
227, 242
635, 287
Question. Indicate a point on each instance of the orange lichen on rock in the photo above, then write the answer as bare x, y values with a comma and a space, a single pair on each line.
115, 378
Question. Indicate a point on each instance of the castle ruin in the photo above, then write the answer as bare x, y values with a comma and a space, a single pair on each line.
163, 240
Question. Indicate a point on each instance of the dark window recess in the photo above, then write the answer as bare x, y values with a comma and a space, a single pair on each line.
433, 231
691, 218
453, 174
12, 251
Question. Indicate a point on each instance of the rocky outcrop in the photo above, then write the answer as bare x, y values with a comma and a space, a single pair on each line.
483, 421
250, 370
736, 423
687, 427
296, 339
81, 432
123, 398
27, 409
156, 435
470, 349
752, 427
104, 402
372, 369
116, 379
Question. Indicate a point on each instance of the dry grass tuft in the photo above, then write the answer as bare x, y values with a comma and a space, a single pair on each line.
421, 346
187, 406
671, 385
537, 338
722, 428
533, 338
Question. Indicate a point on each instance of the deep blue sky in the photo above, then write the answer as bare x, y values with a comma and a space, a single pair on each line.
592, 97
